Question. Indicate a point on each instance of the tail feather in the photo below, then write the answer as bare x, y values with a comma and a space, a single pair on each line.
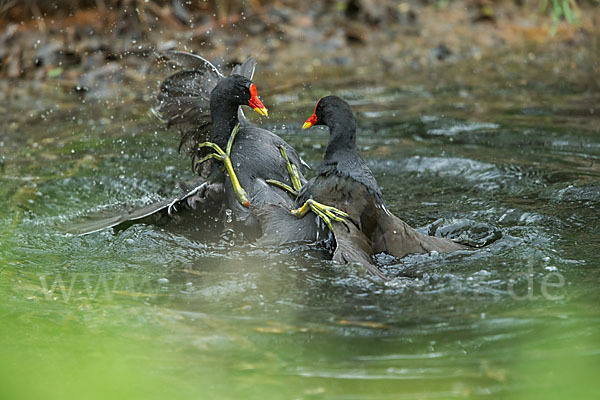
399, 239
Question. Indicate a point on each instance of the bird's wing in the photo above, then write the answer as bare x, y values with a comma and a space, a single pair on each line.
184, 104
280, 227
192, 198
191, 61
246, 69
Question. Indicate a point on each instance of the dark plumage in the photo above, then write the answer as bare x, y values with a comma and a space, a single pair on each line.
183, 102
205, 106
345, 181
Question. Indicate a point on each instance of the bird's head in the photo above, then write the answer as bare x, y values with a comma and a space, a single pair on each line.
328, 110
240, 91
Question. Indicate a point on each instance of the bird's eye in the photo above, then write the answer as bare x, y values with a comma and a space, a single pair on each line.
243, 88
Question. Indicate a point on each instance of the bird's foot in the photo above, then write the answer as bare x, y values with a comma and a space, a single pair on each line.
326, 213
224, 156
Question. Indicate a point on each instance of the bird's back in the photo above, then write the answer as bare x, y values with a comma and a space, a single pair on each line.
256, 155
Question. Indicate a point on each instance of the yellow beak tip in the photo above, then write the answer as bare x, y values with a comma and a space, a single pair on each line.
306, 125
262, 111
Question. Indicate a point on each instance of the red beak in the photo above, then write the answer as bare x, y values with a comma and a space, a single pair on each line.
313, 118
310, 122
255, 102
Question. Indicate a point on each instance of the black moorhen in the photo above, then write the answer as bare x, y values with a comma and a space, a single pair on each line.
344, 181
204, 105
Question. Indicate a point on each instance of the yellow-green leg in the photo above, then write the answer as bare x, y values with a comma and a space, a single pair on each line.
326, 213
292, 170
283, 186
224, 156
294, 176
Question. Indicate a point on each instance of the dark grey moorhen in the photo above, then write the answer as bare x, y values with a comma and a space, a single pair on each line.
204, 106
344, 181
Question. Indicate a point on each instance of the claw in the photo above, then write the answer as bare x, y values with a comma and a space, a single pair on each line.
224, 156
326, 213
171, 207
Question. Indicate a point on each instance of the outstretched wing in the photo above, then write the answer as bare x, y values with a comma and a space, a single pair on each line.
202, 195
183, 102
191, 61
245, 69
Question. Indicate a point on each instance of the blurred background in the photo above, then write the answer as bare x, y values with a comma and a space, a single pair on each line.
64, 38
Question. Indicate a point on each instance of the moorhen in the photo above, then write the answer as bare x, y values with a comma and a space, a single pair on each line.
205, 107
344, 181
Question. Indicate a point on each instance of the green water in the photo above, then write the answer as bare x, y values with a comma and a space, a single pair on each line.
157, 313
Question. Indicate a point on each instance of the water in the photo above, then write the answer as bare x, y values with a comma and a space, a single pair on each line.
157, 313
